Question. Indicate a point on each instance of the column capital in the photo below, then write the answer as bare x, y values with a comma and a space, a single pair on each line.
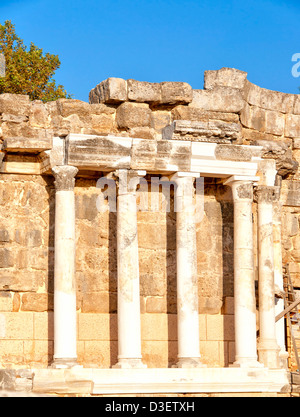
266, 194
127, 180
242, 186
64, 177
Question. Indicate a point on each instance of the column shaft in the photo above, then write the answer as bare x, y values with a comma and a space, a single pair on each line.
65, 333
129, 325
244, 289
187, 286
268, 348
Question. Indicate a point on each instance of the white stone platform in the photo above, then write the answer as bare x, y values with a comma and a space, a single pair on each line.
159, 380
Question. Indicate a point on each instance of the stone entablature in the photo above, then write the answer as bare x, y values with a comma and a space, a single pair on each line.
230, 135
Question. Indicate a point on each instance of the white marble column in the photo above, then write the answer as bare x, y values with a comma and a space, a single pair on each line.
268, 348
278, 280
187, 286
129, 323
244, 288
65, 333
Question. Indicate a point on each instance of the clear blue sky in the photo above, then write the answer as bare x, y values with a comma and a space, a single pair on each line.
161, 40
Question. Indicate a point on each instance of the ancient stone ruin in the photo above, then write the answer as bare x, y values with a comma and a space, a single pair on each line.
147, 230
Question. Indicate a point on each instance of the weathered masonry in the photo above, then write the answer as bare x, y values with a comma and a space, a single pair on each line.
143, 238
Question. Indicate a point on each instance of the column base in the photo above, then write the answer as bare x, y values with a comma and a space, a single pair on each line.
65, 363
283, 359
189, 363
268, 353
246, 363
129, 364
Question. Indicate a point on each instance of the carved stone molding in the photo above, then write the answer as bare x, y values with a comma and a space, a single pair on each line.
266, 194
64, 177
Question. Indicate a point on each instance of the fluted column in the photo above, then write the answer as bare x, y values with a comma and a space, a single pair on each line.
129, 323
268, 348
244, 289
187, 287
65, 334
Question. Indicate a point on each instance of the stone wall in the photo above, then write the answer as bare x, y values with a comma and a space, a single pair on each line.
228, 103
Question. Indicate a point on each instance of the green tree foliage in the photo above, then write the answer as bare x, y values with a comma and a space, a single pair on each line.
28, 70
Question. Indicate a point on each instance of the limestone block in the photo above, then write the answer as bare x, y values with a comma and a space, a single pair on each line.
176, 92
18, 326
66, 107
296, 143
143, 92
130, 115
36, 259
211, 353
99, 302
202, 131
159, 327
156, 305
11, 352
228, 306
21, 144
296, 243
296, 255
4, 236
61, 127
101, 108
209, 305
93, 97
292, 128
24, 130
20, 280
87, 233
142, 132
39, 115
79, 124
98, 354
102, 123
37, 302
275, 123
223, 99
6, 258
151, 238
220, 327
13, 118
253, 117
96, 326
225, 77
112, 90
290, 224
38, 352
263, 120
159, 354
6, 301
16, 104
182, 112
297, 105
160, 119
290, 193
279, 151
269, 100
250, 135
43, 325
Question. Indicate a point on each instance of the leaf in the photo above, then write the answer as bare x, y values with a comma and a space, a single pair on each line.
28, 70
